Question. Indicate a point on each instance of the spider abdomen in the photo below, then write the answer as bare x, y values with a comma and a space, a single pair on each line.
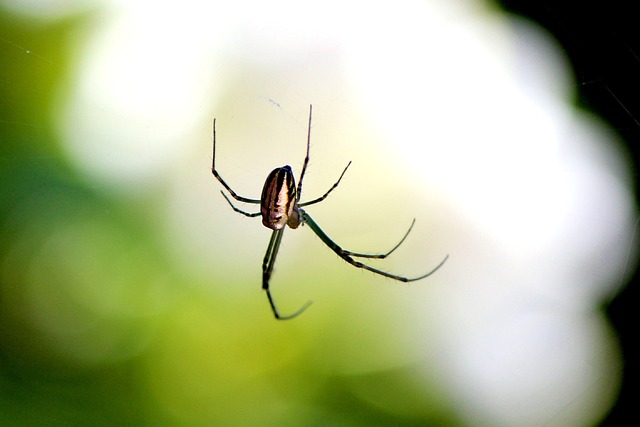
278, 201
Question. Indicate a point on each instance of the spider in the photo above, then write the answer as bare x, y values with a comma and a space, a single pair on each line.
280, 205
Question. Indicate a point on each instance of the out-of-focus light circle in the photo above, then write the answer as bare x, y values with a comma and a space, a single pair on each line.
137, 91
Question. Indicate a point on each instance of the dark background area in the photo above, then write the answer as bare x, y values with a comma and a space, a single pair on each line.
601, 40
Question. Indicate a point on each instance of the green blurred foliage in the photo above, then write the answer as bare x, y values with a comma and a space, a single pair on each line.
99, 326
66, 356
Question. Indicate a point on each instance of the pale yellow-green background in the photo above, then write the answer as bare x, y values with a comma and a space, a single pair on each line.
130, 291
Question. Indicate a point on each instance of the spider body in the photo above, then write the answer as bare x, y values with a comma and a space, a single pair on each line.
280, 205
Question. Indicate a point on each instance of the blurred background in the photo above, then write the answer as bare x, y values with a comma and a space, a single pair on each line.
130, 292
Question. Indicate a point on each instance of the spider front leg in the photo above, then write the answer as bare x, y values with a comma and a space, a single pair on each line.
224, 184
267, 269
324, 196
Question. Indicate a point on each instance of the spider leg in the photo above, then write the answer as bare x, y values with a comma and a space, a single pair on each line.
306, 159
304, 169
382, 256
249, 214
346, 255
219, 178
319, 199
267, 269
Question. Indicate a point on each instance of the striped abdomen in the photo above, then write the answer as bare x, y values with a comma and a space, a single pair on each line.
278, 201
